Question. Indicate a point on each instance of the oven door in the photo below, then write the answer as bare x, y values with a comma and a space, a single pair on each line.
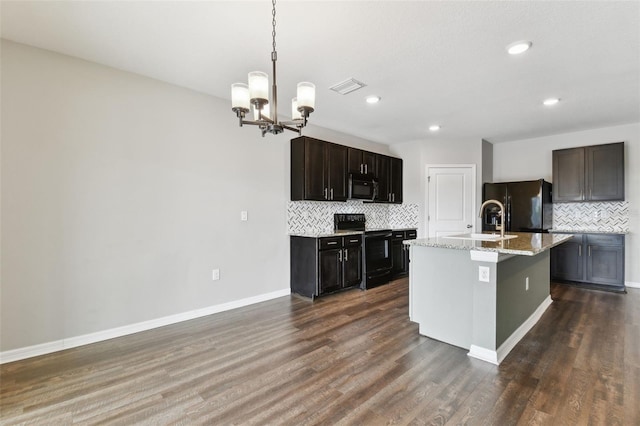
378, 262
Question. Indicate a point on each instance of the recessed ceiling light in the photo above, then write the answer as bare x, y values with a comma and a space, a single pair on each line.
434, 128
551, 101
518, 47
373, 99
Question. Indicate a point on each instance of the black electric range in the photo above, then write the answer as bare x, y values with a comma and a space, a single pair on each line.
377, 248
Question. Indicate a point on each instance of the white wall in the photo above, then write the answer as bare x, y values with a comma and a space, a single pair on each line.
531, 159
120, 194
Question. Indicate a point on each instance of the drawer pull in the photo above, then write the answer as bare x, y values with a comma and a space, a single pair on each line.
332, 243
354, 241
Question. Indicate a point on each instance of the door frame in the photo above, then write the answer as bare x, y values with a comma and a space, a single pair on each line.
426, 190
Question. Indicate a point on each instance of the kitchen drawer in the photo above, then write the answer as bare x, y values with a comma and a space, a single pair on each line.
605, 240
398, 235
352, 240
330, 243
411, 235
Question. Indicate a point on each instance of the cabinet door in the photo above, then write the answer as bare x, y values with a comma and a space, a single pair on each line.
355, 160
352, 266
369, 159
330, 270
605, 172
397, 258
406, 259
314, 170
568, 174
396, 180
336, 172
567, 260
605, 259
383, 175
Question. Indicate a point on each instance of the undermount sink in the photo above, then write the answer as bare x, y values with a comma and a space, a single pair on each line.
481, 237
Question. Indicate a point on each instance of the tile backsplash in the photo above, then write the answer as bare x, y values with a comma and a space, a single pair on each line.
317, 216
602, 217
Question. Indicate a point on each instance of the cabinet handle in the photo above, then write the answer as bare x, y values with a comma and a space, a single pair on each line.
340, 256
325, 194
361, 168
589, 247
579, 251
331, 194
393, 195
366, 169
590, 193
346, 255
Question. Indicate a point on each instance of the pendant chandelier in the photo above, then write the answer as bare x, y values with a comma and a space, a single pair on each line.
256, 95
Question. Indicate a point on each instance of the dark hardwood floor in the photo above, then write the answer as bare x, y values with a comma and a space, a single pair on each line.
350, 358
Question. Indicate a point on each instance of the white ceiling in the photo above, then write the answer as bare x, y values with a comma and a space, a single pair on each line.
431, 61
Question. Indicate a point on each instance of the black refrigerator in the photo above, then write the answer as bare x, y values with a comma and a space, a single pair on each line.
527, 204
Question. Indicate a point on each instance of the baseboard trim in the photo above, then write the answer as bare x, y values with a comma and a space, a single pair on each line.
497, 356
483, 354
99, 336
631, 284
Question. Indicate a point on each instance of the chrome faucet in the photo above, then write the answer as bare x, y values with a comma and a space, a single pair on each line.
499, 227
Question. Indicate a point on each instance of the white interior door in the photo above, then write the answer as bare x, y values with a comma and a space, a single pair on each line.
450, 199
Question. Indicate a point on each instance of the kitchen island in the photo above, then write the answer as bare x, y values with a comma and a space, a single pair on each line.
483, 296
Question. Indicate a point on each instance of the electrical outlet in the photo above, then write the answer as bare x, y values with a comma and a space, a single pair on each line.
483, 274
526, 284
244, 216
216, 274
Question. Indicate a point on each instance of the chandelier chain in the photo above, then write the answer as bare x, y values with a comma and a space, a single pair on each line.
273, 23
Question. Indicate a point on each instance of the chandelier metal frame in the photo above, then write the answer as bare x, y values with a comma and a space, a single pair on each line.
243, 96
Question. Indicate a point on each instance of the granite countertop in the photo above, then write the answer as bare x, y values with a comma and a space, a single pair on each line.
325, 234
588, 231
343, 233
527, 244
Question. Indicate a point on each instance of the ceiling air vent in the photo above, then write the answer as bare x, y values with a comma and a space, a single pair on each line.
347, 86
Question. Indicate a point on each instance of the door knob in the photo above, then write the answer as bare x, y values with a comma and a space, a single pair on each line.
469, 226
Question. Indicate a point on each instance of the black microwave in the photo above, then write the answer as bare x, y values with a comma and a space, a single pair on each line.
362, 187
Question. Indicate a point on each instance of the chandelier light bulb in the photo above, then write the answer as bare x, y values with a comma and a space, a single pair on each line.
295, 114
265, 112
258, 86
240, 96
306, 95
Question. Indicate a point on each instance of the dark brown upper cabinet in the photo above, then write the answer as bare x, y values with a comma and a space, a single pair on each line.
363, 162
389, 179
589, 173
318, 170
396, 180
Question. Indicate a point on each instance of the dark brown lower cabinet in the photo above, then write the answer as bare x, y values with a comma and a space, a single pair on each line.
400, 252
590, 259
325, 265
